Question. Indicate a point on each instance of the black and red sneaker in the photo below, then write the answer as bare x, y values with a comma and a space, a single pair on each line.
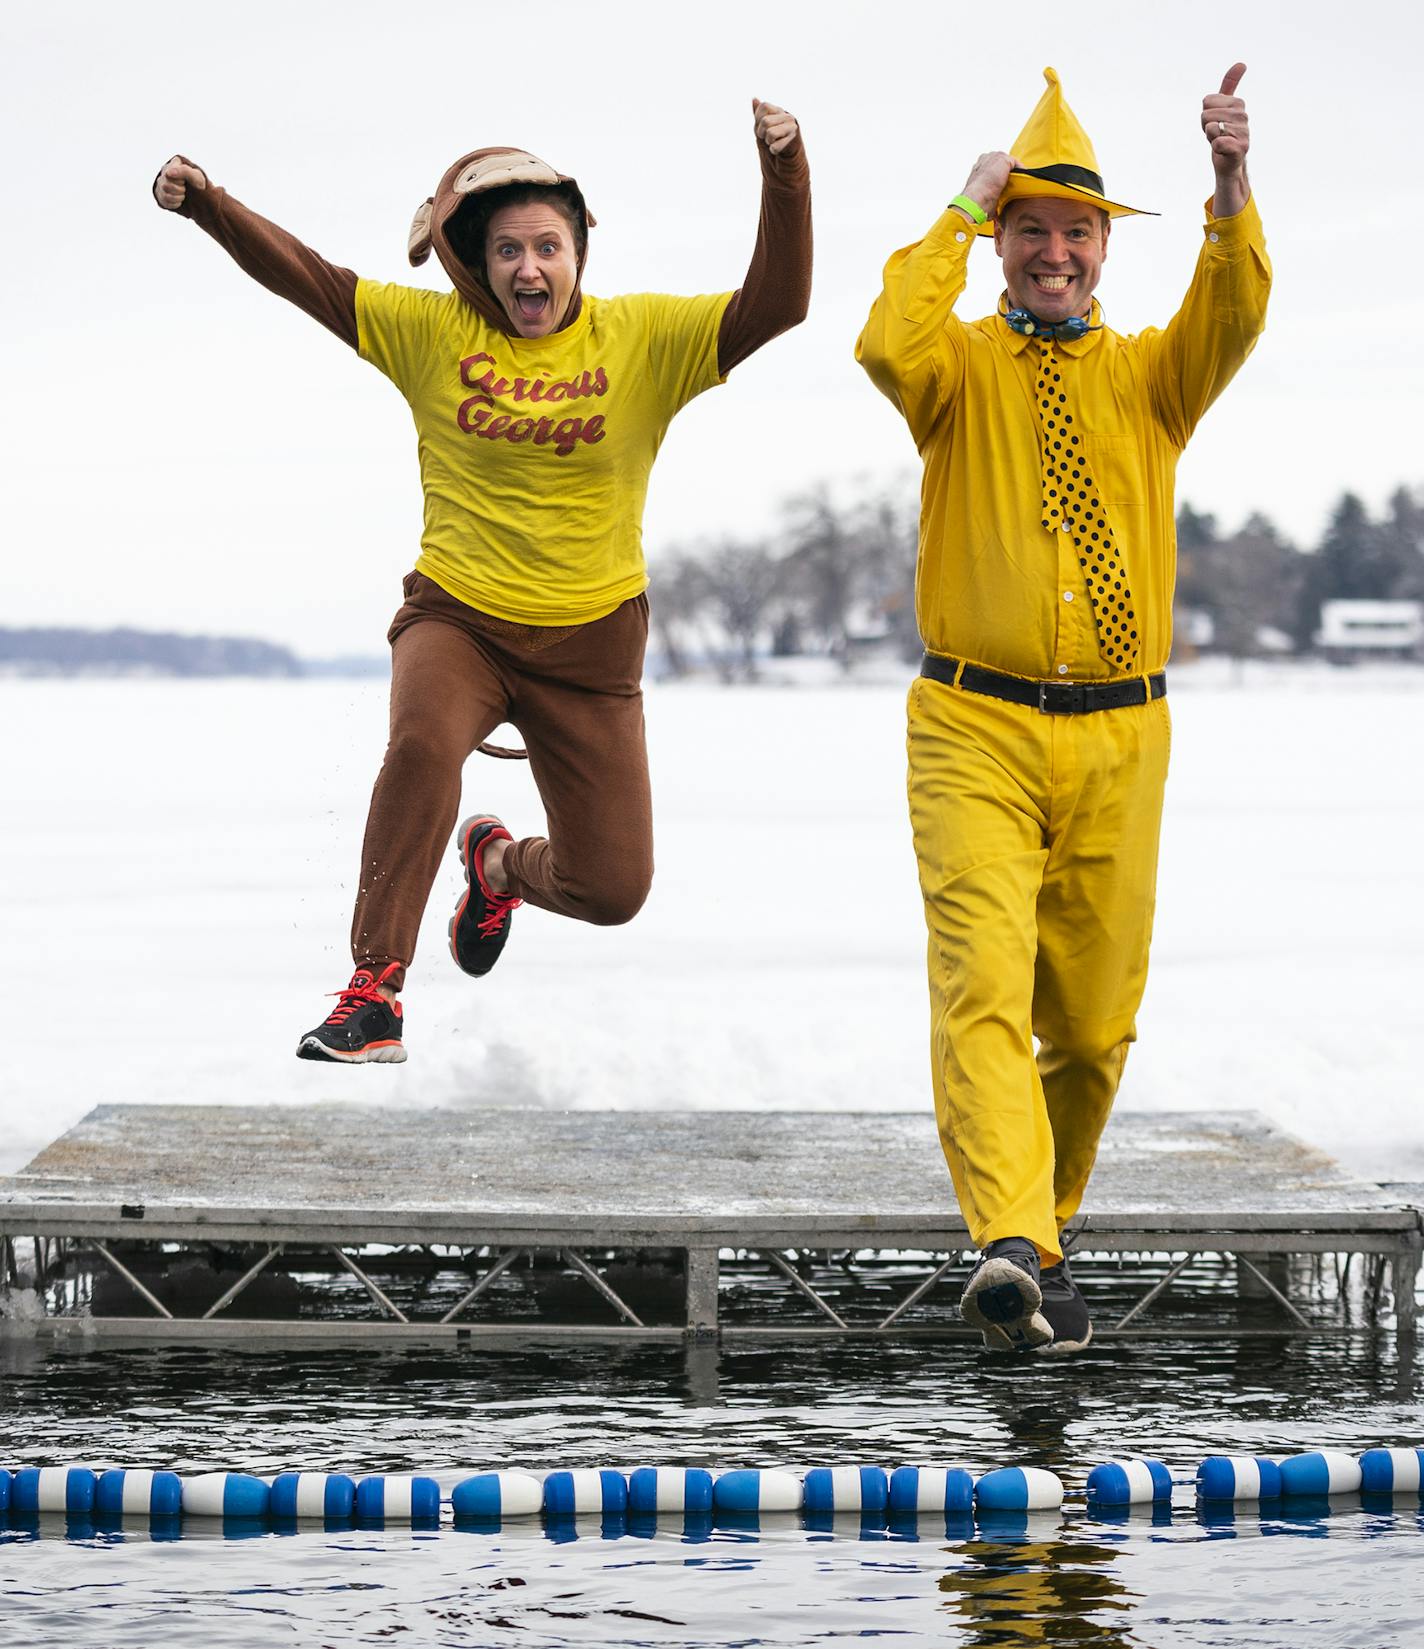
362, 1029
480, 925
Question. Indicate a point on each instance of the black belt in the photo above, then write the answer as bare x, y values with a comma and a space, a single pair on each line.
1054, 698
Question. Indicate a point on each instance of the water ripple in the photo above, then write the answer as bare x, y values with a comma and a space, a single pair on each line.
1341, 1574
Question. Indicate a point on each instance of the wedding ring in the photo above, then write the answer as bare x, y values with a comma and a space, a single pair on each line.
1221, 128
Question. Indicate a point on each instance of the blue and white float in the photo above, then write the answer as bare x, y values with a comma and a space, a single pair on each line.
53, 1489
1018, 1489
845, 1489
246, 1501
757, 1491
1392, 1471
398, 1498
138, 1494
497, 1495
226, 1494
1129, 1483
570, 1493
1323, 1471
669, 1489
313, 1494
1238, 1477
6, 1484
931, 1489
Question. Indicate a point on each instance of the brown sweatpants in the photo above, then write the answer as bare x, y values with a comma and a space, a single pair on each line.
575, 695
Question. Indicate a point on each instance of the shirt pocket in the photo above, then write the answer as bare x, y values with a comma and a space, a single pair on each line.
1116, 466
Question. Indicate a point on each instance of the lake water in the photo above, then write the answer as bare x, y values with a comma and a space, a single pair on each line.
1302, 1573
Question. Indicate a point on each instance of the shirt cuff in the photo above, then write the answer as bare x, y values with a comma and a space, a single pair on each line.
1240, 227
953, 231
204, 206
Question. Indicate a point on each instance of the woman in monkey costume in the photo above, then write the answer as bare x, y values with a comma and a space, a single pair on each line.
539, 410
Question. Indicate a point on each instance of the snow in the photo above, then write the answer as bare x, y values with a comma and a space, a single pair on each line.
177, 872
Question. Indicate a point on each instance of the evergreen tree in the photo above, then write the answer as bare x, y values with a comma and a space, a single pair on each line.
1257, 579
1403, 530
1196, 537
1345, 567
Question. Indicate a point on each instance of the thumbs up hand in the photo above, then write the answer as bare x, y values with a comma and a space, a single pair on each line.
1228, 129
1227, 125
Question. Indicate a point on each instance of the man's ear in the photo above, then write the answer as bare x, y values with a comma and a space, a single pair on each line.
999, 236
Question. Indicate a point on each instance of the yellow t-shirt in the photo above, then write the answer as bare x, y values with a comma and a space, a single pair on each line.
535, 452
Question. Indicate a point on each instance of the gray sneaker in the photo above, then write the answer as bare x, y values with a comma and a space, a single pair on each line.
1002, 1297
1066, 1311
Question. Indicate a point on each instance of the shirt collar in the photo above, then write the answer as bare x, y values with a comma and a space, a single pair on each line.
1017, 342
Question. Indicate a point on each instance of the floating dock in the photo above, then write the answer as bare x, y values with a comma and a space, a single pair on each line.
476, 1223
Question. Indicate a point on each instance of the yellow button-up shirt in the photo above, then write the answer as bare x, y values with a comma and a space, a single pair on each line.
993, 585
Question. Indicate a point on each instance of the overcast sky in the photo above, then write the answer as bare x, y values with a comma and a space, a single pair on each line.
185, 451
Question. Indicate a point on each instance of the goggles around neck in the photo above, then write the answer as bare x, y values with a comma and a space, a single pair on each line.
1026, 322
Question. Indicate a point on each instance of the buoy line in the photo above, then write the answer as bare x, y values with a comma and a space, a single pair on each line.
824, 1491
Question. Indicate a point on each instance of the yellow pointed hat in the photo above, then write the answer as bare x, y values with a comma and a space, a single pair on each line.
1055, 158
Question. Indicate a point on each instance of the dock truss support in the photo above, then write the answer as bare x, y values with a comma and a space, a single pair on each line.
248, 1276
703, 1271
500, 1266
129, 1278
851, 1287
1404, 1283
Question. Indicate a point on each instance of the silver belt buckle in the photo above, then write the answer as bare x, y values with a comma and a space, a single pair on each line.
1075, 692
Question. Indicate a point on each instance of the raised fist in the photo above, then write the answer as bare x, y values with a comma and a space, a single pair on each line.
175, 178
774, 127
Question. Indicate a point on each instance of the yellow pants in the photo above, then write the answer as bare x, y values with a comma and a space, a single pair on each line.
1037, 844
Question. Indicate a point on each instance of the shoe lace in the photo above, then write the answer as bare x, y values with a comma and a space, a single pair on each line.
1059, 1277
1056, 1280
353, 997
497, 909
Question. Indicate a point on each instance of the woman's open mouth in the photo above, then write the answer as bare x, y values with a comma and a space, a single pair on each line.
531, 302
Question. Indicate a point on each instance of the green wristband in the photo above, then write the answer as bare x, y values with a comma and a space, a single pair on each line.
971, 207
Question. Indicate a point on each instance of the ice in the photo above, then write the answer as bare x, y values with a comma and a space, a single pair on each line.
179, 860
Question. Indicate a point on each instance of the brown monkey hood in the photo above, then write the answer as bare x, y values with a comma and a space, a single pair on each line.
476, 173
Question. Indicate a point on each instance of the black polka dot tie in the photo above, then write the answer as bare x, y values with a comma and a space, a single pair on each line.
1072, 502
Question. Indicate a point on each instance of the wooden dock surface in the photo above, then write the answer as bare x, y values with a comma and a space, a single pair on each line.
728, 1176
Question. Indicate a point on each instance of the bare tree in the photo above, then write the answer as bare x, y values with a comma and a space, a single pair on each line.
1247, 582
887, 527
1256, 581
825, 566
854, 560
677, 595
741, 581
843, 566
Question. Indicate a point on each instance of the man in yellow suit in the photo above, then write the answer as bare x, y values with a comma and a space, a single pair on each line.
1038, 727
